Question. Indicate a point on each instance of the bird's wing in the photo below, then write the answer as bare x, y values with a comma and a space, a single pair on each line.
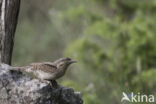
37, 63
45, 66
49, 63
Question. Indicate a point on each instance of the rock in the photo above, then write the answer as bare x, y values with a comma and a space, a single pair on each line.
17, 88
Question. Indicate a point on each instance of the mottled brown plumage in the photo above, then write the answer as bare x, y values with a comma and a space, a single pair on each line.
48, 70
46, 67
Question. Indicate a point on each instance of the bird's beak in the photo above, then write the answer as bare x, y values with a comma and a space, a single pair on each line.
73, 61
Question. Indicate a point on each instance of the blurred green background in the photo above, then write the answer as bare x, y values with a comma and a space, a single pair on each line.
114, 42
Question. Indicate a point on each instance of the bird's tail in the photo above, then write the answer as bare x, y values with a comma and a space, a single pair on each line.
12, 68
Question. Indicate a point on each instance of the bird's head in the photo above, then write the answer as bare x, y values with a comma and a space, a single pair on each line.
63, 63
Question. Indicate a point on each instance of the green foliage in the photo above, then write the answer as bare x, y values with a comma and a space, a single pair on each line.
145, 78
120, 50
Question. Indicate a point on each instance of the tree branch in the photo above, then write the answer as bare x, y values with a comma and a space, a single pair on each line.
8, 21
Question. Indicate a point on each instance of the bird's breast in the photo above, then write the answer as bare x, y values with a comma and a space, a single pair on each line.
44, 75
59, 74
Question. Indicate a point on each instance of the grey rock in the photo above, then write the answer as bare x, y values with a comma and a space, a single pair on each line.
17, 88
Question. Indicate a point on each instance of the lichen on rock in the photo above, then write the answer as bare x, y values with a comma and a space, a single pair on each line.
17, 88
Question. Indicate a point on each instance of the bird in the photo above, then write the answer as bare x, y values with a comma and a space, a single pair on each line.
48, 71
